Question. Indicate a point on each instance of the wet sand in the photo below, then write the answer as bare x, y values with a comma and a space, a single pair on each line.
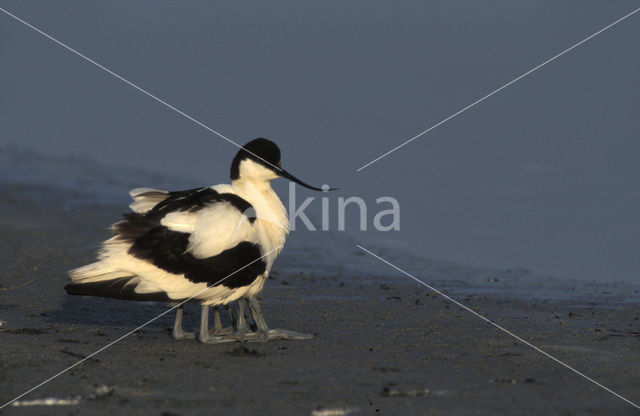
384, 344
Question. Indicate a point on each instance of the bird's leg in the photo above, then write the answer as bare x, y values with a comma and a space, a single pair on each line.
205, 337
178, 333
216, 319
263, 333
240, 333
253, 326
204, 324
218, 329
241, 325
230, 313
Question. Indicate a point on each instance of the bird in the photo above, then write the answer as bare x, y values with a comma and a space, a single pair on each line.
215, 245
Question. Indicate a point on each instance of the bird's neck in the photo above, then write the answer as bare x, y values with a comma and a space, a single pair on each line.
272, 221
264, 200
252, 185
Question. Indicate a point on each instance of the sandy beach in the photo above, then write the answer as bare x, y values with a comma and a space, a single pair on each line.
506, 133
384, 344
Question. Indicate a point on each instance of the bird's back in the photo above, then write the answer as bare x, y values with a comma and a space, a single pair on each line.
175, 245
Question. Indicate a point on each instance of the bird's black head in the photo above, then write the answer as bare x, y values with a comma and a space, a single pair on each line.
260, 160
261, 151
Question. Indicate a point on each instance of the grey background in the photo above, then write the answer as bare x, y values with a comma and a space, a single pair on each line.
543, 175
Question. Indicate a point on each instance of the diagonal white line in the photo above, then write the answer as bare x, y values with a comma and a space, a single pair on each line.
497, 326
134, 330
126, 81
499, 89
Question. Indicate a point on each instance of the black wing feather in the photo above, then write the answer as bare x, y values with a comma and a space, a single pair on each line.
116, 289
196, 199
167, 249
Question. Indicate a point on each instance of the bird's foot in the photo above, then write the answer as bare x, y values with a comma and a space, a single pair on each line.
221, 331
224, 335
254, 336
209, 338
180, 334
276, 334
288, 334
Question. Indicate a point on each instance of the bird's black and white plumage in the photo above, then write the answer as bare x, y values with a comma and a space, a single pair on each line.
215, 244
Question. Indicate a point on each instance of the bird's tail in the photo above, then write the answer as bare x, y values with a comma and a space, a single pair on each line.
122, 288
144, 199
97, 279
96, 272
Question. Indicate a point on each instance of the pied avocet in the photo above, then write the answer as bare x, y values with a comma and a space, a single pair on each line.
215, 244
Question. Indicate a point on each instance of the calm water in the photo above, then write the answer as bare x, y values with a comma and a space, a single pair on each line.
543, 175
